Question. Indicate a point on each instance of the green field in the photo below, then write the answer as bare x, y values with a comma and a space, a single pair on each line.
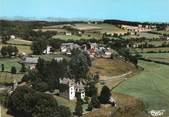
9, 78
68, 103
102, 27
155, 55
162, 32
141, 35
9, 62
22, 45
73, 37
151, 86
19, 42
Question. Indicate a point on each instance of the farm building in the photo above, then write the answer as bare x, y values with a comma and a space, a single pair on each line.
30, 62
69, 89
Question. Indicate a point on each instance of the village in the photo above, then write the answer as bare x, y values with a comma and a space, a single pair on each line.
78, 65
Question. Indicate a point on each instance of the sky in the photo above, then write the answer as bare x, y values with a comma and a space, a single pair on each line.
133, 10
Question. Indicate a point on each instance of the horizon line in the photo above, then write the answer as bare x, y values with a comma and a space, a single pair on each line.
64, 19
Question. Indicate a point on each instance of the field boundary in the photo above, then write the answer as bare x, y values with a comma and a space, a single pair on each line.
158, 62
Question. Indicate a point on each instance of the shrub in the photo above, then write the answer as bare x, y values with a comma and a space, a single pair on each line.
2, 67
13, 70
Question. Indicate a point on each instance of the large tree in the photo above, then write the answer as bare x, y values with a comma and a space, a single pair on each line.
5, 38
95, 101
39, 45
79, 66
78, 108
9, 51
105, 95
4, 51
26, 102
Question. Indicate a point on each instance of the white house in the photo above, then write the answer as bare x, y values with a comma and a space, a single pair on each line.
47, 50
68, 34
70, 89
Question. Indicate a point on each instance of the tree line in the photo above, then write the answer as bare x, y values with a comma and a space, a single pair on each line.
9, 51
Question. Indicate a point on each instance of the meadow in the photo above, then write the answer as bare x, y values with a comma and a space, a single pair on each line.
10, 62
72, 37
150, 50
22, 45
164, 57
162, 32
150, 86
143, 35
102, 27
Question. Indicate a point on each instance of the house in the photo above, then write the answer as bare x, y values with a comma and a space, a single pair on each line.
59, 59
69, 89
30, 62
47, 50
93, 49
68, 33
67, 47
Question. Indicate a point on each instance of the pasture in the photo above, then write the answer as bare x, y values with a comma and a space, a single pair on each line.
161, 32
22, 45
143, 35
164, 57
68, 103
150, 86
73, 37
9, 78
9, 62
150, 50
19, 42
103, 28
109, 67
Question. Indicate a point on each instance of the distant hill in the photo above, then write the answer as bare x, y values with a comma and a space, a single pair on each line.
131, 23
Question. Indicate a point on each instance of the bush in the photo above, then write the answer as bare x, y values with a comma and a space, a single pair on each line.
2, 67
13, 70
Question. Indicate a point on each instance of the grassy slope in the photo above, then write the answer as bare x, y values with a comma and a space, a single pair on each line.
109, 67
22, 45
9, 62
164, 57
102, 27
72, 37
150, 86
162, 32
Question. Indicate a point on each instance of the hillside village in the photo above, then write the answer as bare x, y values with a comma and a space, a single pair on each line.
76, 67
